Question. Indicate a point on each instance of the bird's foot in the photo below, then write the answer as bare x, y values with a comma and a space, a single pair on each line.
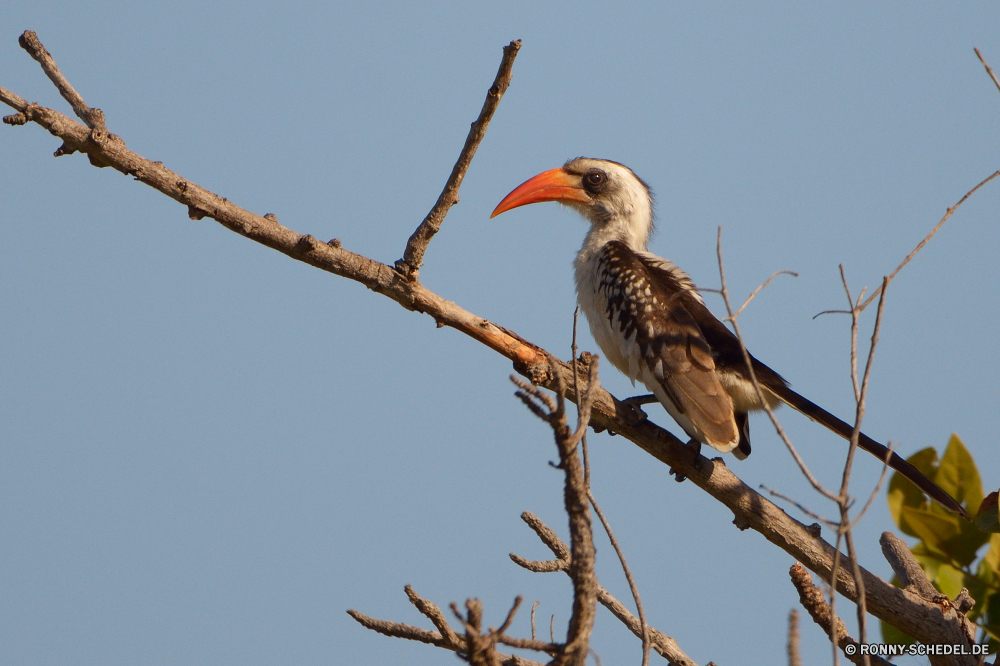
637, 415
694, 446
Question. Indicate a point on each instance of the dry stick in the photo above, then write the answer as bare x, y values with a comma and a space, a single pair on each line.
855, 435
597, 509
666, 646
413, 257
581, 569
794, 656
750, 508
921, 244
533, 607
989, 70
822, 614
93, 117
628, 576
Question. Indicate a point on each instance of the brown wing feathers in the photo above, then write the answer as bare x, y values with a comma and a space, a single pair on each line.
668, 338
686, 347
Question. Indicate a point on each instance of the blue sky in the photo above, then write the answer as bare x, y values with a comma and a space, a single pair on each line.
208, 452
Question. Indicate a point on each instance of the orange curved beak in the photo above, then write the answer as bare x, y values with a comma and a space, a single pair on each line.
552, 185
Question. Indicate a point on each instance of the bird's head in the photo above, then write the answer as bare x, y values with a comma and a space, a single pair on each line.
613, 199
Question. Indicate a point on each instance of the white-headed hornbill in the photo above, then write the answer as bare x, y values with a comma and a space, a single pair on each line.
651, 323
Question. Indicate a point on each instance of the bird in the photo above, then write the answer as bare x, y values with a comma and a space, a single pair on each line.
652, 324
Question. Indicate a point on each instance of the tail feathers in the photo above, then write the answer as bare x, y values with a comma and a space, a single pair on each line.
742, 450
825, 418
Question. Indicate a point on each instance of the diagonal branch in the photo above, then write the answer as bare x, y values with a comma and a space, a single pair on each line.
989, 70
413, 257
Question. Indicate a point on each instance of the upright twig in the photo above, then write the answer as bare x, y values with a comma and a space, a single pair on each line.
989, 70
94, 118
732, 317
576, 498
794, 654
413, 257
927, 238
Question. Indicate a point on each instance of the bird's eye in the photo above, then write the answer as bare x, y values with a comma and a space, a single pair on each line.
594, 179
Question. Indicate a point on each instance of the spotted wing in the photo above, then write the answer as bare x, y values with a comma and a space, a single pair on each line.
644, 307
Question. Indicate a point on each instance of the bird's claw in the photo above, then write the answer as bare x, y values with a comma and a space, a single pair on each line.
694, 446
638, 416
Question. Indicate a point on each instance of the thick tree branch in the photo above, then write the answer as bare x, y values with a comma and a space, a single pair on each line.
751, 510
413, 257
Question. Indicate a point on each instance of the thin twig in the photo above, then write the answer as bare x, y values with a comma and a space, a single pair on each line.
533, 607
760, 289
794, 655
878, 486
812, 514
663, 644
413, 256
989, 70
94, 118
628, 576
756, 384
927, 238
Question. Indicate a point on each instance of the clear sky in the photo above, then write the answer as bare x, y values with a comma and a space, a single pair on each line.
209, 452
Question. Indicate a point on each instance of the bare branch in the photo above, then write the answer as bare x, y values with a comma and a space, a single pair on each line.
628, 576
929, 236
413, 257
812, 600
663, 644
794, 655
756, 384
94, 118
989, 70
547, 535
398, 630
758, 290
543, 566
911, 575
434, 614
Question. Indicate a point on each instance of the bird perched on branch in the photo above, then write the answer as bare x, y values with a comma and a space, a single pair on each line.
651, 323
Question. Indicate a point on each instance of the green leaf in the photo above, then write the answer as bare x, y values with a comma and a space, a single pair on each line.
992, 616
945, 535
958, 476
903, 493
987, 518
991, 561
894, 636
